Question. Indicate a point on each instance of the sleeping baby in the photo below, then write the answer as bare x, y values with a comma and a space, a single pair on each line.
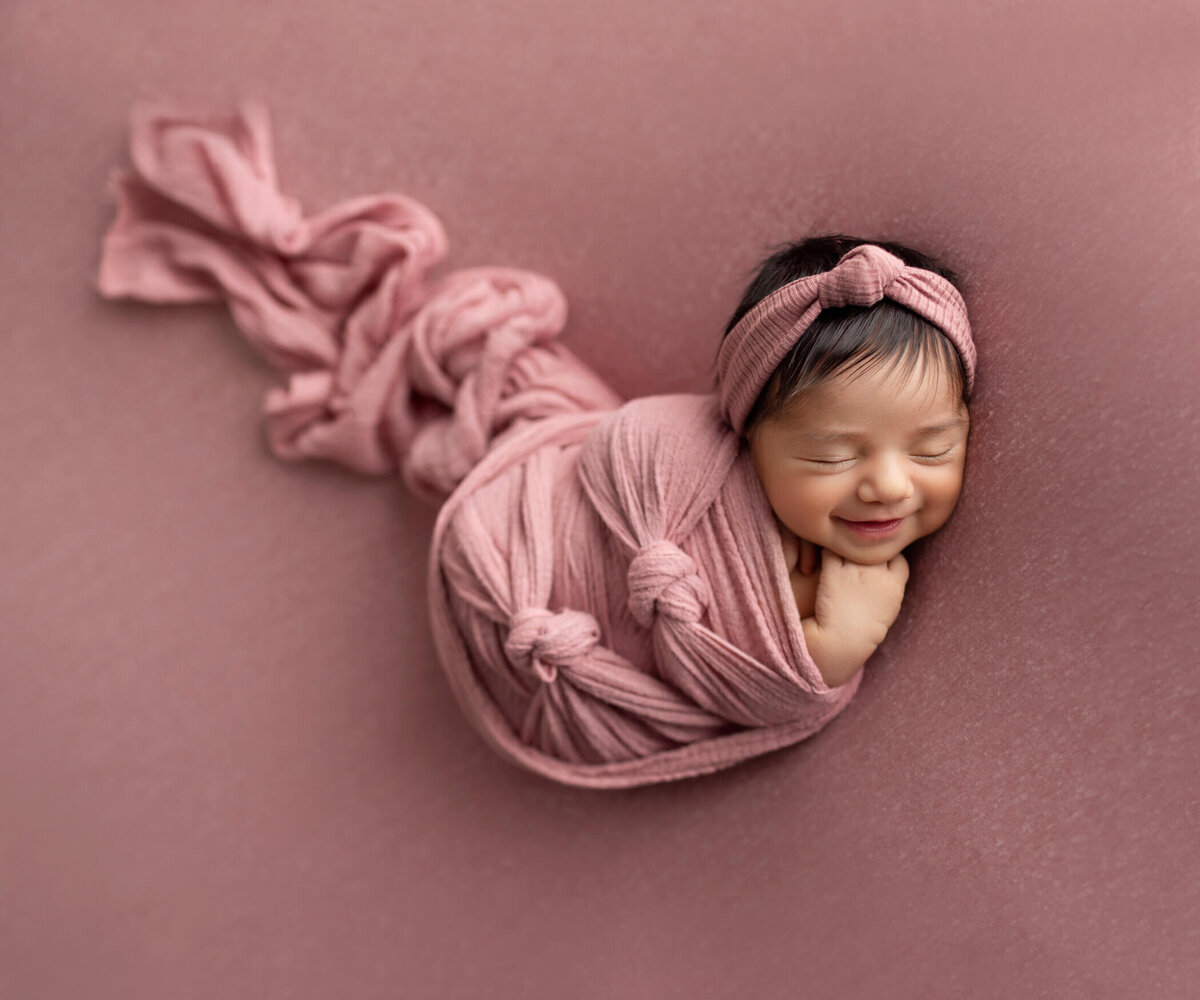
620, 592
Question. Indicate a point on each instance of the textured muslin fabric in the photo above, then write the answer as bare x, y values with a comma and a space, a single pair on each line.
608, 593
375, 382
690, 654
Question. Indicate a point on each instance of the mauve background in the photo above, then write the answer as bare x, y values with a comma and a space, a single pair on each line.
229, 763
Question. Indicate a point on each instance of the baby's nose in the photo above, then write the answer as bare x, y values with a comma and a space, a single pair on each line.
885, 481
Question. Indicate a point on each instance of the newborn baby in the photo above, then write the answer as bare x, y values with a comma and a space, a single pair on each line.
619, 593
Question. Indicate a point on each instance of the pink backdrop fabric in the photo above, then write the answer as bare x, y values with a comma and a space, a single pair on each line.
231, 766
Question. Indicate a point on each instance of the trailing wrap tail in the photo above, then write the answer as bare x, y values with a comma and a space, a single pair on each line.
385, 370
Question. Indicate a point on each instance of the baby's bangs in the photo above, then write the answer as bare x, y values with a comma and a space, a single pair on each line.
901, 341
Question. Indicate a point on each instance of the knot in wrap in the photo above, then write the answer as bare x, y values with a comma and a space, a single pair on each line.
540, 640
663, 579
861, 278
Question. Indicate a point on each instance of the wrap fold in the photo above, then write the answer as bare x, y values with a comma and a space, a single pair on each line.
608, 594
385, 370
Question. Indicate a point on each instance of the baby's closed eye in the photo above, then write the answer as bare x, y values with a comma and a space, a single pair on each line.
927, 455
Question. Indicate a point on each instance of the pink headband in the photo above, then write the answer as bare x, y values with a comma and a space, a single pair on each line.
864, 276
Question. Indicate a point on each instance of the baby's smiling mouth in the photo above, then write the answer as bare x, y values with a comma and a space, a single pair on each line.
873, 520
874, 528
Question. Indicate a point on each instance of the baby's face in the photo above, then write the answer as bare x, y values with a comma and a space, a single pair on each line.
868, 463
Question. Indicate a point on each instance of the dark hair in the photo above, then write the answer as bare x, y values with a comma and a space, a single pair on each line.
849, 337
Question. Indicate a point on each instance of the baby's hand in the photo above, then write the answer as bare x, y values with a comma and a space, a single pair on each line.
798, 553
856, 601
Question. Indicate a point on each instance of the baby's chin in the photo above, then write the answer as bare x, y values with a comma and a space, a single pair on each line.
875, 556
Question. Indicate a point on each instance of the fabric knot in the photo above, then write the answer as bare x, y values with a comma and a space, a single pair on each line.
861, 278
540, 641
663, 578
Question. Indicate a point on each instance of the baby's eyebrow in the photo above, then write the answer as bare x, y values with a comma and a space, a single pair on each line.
926, 431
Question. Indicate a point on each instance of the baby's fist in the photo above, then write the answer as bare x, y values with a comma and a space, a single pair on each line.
860, 602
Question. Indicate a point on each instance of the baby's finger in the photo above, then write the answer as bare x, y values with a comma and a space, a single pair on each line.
791, 548
808, 557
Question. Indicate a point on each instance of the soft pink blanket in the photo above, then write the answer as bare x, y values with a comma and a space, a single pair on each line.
609, 597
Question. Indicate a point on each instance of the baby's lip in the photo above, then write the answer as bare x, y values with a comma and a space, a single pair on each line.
873, 520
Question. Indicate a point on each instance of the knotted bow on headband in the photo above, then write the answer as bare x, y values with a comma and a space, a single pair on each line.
864, 276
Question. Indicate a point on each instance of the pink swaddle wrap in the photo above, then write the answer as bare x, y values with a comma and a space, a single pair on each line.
609, 596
